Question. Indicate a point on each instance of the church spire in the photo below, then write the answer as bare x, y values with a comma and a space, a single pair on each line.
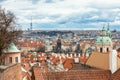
103, 31
108, 31
108, 27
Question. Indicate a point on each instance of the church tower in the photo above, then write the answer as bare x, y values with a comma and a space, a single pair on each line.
103, 31
59, 44
105, 57
12, 55
104, 42
108, 33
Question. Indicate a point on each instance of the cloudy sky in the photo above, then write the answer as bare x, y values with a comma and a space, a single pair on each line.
65, 14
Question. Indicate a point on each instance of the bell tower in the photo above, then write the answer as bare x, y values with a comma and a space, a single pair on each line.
104, 42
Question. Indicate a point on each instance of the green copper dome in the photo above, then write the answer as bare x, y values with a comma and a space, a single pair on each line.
105, 37
12, 48
35, 53
103, 40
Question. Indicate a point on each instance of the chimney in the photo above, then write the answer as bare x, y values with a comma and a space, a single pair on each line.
75, 55
67, 55
76, 60
79, 55
71, 55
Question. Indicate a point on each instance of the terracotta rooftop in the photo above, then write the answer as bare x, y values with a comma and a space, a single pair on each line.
24, 74
116, 75
68, 63
26, 66
79, 66
99, 60
30, 44
118, 50
67, 44
72, 75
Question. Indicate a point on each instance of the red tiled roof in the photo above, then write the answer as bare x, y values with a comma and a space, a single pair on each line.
55, 60
72, 75
99, 60
83, 59
41, 57
68, 63
26, 66
118, 50
67, 44
30, 44
63, 59
24, 74
38, 74
116, 75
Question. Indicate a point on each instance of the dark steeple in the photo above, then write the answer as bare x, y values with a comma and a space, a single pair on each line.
59, 45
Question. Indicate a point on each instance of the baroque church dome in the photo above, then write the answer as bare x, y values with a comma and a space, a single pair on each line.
103, 40
106, 36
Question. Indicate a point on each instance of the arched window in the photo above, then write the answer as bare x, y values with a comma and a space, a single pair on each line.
107, 49
101, 50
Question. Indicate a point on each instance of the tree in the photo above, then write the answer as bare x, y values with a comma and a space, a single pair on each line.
8, 31
41, 49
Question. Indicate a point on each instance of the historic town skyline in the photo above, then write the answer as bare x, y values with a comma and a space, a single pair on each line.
59, 40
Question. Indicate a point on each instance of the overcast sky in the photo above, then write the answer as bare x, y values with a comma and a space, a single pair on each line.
65, 14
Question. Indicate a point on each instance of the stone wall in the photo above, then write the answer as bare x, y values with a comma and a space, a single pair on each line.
11, 73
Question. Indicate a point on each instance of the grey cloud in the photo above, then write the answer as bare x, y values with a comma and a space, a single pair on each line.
2, 0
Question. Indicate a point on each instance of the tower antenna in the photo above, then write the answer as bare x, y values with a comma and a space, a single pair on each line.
31, 24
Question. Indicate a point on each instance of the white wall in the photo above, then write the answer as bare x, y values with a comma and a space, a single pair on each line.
113, 61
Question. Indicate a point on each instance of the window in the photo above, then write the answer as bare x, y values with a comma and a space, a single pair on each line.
16, 59
107, 49
101, 50
10, 59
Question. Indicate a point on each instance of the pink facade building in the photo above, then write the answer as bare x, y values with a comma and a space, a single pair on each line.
12, 55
